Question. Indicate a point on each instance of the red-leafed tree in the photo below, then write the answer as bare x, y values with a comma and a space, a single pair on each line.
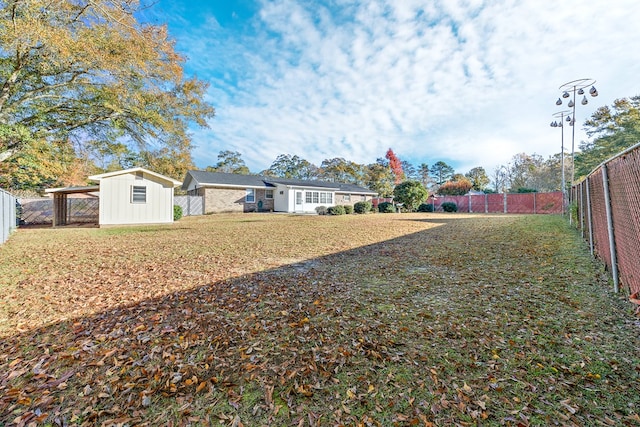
396, 166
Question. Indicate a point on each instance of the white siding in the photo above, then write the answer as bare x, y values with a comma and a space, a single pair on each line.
116, 206
286, 202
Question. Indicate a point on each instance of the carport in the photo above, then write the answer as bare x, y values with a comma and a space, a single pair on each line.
61, 213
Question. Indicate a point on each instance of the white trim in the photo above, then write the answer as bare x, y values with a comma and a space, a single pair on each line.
73, 189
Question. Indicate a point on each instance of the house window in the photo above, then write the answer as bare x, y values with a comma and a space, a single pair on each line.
299, 197
363, 198
346, 197
138, 194
251, 196
318, 197
268, 194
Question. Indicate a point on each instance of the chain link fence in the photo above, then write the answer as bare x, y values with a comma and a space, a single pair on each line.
40, 211
606, 210
509, 203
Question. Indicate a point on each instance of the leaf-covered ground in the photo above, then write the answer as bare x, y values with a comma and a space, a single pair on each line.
275, 320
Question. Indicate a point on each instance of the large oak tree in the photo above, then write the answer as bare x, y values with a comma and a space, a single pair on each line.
88, 72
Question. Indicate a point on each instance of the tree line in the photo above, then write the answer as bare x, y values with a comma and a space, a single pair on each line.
85, 88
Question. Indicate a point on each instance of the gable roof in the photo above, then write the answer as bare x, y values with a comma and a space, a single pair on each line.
221, 179
134, 170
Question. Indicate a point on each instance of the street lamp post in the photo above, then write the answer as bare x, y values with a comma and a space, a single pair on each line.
561, 115
575, 87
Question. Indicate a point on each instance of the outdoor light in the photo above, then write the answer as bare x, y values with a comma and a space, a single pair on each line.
558, 124
574, 87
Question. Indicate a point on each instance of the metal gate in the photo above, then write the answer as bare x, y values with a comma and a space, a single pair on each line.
191, 205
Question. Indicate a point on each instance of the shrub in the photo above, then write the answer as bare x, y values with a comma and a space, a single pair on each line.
449, 207
336, 210
455, 188
348, 209
321, 210
177, 212
386, 207
526, 190
362, 207
410, 194
425, 207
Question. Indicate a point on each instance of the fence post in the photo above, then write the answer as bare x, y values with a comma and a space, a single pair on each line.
534, 203
571, 198
486, 203
612, 239
589, 215
505, 202
470, 210
582, 211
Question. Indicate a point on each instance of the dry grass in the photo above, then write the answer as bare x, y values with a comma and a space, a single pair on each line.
407, 319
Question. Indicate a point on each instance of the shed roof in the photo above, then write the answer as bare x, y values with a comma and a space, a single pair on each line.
134, 170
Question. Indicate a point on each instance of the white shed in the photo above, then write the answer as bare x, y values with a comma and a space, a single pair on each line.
135, 196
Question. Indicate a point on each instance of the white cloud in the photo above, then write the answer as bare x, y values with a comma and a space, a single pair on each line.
468, 82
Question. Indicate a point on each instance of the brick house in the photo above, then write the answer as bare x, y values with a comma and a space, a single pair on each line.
228, 192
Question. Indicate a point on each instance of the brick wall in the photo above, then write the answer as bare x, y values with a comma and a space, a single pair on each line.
223, 200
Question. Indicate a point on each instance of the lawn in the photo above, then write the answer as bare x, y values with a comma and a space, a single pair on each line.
277, 320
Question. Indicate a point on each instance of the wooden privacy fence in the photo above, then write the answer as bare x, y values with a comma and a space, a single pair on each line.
607, 214
524, 203
7, 215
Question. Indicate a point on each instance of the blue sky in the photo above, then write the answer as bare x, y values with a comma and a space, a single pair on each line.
468, 82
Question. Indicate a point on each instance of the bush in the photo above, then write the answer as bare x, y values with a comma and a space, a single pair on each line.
425, 207
336, 210
409, 195
455, 188
321, 210
526, 190
177, 212
449, 207
386, 207
362, 207
348, 209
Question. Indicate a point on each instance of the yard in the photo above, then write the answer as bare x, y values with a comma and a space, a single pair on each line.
260, 320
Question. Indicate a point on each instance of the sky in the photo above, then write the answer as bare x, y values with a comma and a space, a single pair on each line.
468, 82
